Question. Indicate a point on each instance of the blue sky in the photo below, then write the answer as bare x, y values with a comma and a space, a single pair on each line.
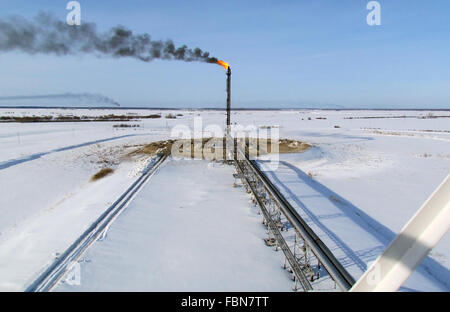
283, 54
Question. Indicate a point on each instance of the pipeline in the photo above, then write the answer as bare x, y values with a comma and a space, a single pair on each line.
325, 257
64, 263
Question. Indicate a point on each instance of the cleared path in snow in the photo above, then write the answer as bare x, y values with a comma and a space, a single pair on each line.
188, 230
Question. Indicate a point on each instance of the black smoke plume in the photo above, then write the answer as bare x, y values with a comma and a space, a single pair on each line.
45, 34
83, 97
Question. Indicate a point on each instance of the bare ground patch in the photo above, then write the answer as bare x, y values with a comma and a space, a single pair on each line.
209, 148
101, 174
153, 148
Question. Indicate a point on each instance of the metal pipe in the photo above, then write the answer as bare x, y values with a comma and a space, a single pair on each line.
411, 246
228, 97
306, 285
337, 272
57, 270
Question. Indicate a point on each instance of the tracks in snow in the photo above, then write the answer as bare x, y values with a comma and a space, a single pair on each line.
63, 264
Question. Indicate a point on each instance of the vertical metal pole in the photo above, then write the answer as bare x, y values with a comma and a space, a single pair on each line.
229, 110
411, 246
228, 96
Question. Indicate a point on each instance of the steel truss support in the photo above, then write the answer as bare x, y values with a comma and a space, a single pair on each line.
279, 216
272, 219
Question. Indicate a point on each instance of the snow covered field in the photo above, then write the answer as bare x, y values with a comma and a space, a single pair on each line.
188, 230
369, 176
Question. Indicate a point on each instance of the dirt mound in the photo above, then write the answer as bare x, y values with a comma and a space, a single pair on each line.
212, 148
153, 148
293, 146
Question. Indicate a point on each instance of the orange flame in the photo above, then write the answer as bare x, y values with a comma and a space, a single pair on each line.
223, 64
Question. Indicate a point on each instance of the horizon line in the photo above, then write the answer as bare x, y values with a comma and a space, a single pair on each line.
223, 109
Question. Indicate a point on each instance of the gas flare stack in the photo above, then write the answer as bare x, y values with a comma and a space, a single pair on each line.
228, 96
228, 68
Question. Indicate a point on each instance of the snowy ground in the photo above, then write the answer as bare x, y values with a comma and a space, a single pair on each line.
194, 241
369, 177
